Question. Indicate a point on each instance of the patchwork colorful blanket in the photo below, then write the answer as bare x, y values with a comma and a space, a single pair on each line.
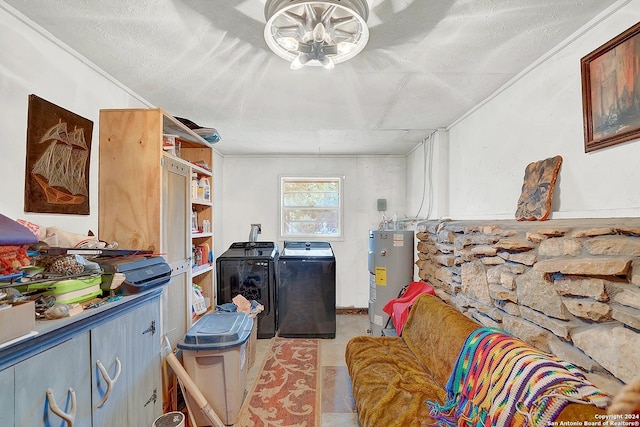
499, 380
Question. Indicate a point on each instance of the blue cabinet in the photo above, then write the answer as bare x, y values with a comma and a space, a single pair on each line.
101, 368
56, 377
125, 365
8, 399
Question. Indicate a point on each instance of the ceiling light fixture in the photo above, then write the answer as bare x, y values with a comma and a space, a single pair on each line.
317, 33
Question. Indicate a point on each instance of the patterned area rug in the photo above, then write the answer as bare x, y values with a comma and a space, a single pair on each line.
286, 391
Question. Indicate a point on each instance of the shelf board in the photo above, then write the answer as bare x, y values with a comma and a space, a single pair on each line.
200, 235
196, 317
173, 126
198, 169
201, 170
201, 269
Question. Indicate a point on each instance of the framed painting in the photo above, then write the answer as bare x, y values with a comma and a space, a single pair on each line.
611, 91
58, 152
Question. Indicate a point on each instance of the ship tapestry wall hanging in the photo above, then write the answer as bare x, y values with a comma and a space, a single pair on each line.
58, 152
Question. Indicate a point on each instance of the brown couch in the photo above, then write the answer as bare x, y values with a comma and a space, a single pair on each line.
393, 377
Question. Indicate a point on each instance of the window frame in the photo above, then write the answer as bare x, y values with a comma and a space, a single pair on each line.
340, 209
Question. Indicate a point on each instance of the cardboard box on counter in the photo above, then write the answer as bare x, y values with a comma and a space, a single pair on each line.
17, 320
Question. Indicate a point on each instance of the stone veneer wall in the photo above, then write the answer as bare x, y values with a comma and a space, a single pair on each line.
569, 287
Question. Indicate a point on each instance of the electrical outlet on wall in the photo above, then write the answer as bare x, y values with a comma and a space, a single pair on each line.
259, 227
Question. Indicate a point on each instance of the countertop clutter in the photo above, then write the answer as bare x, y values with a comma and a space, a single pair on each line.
79, 359
17, 317
43, 283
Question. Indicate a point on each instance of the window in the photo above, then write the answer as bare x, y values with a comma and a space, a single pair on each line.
311, 207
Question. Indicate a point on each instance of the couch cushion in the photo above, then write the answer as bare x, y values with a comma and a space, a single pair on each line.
435, 332
390, 386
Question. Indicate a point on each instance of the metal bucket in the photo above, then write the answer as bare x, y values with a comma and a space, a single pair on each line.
170, 419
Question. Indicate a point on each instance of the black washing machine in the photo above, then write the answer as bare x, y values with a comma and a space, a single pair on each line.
307, 290
249, 269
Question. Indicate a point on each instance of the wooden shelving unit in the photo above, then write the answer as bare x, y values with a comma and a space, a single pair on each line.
145, 202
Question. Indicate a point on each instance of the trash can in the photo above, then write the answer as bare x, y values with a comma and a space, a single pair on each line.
214, 354
170, 419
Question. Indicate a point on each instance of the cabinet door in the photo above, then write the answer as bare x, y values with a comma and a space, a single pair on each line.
176, 247
145, 375
174, 304
176, 210
109, 398
128, 346
7, 400
63, 369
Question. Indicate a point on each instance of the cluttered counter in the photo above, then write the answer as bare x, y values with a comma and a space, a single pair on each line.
98, 367
47, 333
79, 335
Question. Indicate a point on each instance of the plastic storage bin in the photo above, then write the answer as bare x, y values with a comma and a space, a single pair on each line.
214, 354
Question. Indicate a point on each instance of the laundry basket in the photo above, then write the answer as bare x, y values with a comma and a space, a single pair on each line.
199, 305
170, 419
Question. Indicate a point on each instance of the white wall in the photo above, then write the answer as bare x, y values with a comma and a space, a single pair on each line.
428, 177
32, 63
216, 193
251, 194
536, 116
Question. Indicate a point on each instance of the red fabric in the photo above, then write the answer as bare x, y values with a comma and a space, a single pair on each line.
398, 308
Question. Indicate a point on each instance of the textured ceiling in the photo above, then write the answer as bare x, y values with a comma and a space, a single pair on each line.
426, 64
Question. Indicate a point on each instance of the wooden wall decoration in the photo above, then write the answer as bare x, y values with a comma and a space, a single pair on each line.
58, 154
537, 189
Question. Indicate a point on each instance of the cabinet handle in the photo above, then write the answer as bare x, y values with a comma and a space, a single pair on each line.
153, 397
70, 417
110, 382
151, 328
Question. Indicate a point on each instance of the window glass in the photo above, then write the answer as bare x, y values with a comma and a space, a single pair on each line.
311, 207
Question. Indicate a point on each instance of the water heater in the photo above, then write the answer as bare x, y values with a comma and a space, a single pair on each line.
391, 254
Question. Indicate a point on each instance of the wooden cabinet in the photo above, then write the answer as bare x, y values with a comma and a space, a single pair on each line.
145, 202
97, 370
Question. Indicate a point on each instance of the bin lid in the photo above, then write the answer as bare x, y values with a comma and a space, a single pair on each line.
217, 331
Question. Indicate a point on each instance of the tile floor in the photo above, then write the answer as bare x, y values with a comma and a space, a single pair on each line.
338, 408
